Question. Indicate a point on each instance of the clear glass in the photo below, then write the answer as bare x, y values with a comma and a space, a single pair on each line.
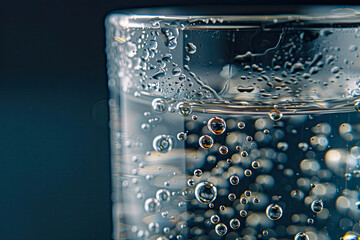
235, 122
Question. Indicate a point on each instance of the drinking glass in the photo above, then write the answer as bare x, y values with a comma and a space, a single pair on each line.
235, 122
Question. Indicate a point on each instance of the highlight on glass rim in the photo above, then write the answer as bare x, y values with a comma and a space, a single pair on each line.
235, 125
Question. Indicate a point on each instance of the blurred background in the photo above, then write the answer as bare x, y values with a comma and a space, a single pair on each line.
54, 148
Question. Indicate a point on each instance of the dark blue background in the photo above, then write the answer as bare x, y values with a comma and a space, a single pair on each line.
54, 146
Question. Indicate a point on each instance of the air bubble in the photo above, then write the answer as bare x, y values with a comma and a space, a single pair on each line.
301, 236
248, 172
205, 192
198, 172
223, 150
256, 200
266, 131
163, 195
243, 201
234, 180
152, 205
222, 208
247, 193
176, 71
191, 182
244, 154
274, 212
221, 229
234, 223
310, 221
216, 125
317, 206
275, 115
255, 164
215, 219
163, 143
241, 125
243, 213
232, 197
206, 141
181, 136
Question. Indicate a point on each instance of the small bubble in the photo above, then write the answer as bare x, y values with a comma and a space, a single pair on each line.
347, 176
222, 208
244, 154
232, 197
317, 206
312, 185
234, 180
181, 136
184, 109
211, 205
303, 146
234, 223
241, 125
216, 125
194, 117
255, 164
248, 172
229, 161
243, 201
249, 138
223, 150
190, 48
310, 221
205, 192
163, 195
357, 205
266, 131
159, 105
145, 126
221, 229
198, 172
274, 212
256, 200
243, 213
163, 143
191, 182
247, 193
301, 236
215, 219
275, 115
151, 205
206, 141
265, 233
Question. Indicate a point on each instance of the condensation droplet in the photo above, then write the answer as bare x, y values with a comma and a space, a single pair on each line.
190, 48
274, 212
159, 105
275, 115
205, 192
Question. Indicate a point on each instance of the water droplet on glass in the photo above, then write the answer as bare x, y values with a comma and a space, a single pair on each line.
301, 236
191, 182
163, 195
274, 212
159, 105
163, 143
176, 71
234, 223
206, 141
184, 109
275, 115
221, 229
215, 219
317, 206
216, 125
190, 48
248, 89
247, 193
152, 205
159, 74
205, 192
